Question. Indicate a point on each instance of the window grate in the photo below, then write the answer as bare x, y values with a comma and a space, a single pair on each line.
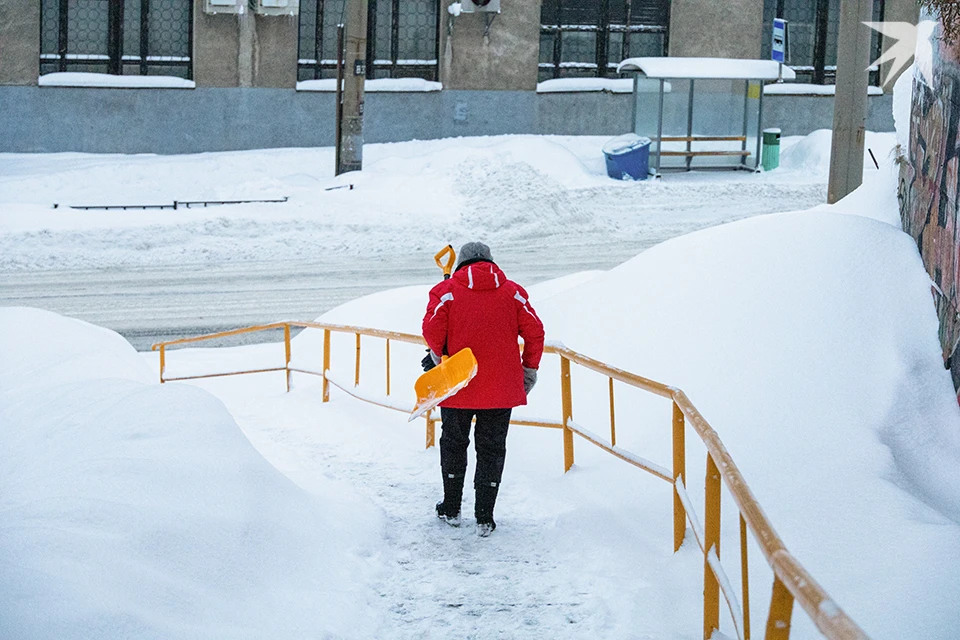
121, 37
590, 37
402, 39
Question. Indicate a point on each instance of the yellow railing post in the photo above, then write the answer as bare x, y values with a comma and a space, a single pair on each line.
431, 429
711, 587
567, 400
613, 419
781, 611
163, 361
745, 578
326, 364
356, 377
286, 346
388, 366
679, 471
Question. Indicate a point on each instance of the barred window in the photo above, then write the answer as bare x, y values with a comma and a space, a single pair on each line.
122, 37
590, 37
402, 38
812, 44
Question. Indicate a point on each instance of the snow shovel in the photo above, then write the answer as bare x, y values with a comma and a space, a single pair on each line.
447, 266
454, 372
444, 380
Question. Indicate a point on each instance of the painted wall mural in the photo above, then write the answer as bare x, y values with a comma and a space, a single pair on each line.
929, 185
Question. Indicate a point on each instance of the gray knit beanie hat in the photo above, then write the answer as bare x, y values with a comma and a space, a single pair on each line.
473, 252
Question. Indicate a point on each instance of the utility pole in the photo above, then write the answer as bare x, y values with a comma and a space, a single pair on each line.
350, 143
850, 102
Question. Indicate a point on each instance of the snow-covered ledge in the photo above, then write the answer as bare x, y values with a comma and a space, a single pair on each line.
108, 81
397, 85
802, 89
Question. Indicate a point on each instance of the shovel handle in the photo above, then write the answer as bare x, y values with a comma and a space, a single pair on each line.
447, 266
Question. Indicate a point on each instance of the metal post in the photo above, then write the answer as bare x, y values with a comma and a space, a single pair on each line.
144, 35
326, 364
613, 419
115, 38
679, 471
756, 162
660, 127
63, 37
850, 103
356, 377
781, 611
820, 41
567, 400
338, 125
744, 578
711, 587
689, 125
351, 132
286, 346
636, 98
163, 361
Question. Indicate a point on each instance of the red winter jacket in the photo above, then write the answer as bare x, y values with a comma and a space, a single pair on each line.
479, 308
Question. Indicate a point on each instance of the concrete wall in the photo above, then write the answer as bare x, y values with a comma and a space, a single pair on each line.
506, 60
51, 119
216, 49
728, 29
19, 41
275, 51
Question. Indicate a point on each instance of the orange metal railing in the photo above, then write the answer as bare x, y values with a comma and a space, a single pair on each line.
791, 582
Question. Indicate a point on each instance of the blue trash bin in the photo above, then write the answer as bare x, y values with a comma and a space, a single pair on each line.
628, 157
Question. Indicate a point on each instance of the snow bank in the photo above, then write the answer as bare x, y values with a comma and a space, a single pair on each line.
135, 510
811, 153
808, 340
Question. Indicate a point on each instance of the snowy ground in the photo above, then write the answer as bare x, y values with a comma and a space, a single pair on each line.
543, 203
807, 339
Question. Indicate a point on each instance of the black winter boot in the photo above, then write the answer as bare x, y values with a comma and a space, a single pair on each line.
448, 509
483, 509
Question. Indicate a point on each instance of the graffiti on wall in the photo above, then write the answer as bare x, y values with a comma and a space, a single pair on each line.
928, 190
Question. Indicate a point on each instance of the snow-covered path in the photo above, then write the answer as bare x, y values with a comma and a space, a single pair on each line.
529, 579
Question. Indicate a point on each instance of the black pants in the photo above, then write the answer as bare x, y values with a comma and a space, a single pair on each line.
491, 446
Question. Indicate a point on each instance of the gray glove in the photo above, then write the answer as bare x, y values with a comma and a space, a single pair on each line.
529, 379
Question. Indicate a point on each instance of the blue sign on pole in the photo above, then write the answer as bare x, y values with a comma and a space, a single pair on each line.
778, 48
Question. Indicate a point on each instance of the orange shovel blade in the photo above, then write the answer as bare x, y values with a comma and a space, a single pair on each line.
443, 381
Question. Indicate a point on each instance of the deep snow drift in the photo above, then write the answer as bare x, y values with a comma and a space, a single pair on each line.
133, 510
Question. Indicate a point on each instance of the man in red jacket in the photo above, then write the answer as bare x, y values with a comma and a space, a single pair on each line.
478, 307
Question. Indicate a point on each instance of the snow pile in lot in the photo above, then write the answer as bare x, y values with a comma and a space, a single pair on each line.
520, 192
135, 510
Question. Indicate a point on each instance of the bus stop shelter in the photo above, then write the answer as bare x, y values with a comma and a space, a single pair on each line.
715, 124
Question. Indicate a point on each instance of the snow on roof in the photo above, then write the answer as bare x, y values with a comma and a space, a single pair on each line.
108, 81
380, 84
695, 68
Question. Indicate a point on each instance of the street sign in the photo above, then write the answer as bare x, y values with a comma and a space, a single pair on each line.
778, 48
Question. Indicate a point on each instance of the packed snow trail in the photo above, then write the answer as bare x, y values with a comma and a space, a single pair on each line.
531, 578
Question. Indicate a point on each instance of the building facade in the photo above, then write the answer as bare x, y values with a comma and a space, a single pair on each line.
243, 68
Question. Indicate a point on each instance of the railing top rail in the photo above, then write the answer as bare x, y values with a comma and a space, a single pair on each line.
828, 617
